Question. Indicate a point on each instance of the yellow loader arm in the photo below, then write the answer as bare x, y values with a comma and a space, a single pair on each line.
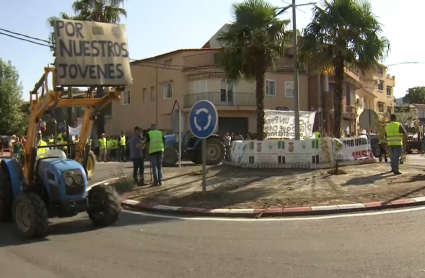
41, 104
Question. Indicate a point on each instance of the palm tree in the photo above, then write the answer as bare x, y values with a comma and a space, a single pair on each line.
107, 11
251, 44
343, 33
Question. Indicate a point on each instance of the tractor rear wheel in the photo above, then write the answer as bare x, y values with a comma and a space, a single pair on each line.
6, 195
216, 152
104, 205
30, 216
171, 157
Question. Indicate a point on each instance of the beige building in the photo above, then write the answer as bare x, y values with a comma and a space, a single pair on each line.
181, 78
381, 85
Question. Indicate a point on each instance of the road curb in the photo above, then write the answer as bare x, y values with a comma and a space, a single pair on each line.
273, 212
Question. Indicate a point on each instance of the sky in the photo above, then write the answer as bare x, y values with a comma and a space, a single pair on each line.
160, 26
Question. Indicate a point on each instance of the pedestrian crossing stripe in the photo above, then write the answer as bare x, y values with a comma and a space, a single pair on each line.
315, 159
315, 144
281, 159
281, 145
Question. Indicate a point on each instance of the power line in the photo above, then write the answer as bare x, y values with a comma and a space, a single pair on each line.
22, 35
24, 39
405, 63
167, 67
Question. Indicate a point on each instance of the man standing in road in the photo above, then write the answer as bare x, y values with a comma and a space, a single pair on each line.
136, 155
394, 131
155, 140
102, 147
121, 150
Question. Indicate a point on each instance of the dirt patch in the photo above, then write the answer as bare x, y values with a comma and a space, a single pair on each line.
229, 187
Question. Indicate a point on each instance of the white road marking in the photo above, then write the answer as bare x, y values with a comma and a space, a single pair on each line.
306, 218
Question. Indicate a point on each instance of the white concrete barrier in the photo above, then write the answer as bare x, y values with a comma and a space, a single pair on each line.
305, 154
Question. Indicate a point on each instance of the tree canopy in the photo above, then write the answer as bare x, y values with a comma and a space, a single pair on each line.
343, 33
12, 118
415, 95
251, 44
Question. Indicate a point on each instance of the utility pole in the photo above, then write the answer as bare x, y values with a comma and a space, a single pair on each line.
320, 91
296, 79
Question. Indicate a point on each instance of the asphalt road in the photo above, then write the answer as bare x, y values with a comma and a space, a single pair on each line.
383, 245
138, 246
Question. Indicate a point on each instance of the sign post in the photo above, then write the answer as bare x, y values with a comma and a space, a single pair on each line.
180, 137
203, 120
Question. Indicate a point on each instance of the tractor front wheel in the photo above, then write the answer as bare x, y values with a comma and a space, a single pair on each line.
104, 205
91, 165
30, 216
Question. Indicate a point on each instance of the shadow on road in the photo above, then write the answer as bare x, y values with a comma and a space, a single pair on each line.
72, 226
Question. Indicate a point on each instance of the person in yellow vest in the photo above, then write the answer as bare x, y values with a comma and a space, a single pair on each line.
111, 147
61, 140
102, 147
155, 144
317, 135
51, 141
41, 143
394, 132
122, 147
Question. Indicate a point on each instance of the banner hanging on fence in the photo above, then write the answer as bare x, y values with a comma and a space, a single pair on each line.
281, 124
309, 151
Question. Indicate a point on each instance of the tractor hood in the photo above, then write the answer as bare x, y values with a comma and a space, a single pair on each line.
59, 164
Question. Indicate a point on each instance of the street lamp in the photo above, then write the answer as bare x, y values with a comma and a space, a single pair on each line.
296, 79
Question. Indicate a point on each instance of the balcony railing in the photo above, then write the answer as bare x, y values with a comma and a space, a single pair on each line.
221, 99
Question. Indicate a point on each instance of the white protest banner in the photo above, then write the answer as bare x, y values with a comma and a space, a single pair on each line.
281, 124
74, 130
91, 53
355, 148
309, 151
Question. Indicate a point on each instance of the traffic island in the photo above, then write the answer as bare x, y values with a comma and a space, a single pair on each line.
282, 192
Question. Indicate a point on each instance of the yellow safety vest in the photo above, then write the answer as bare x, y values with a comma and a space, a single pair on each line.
394, 137
156, 144
102, 143
51, 141
122, 141
317, 135
41, 151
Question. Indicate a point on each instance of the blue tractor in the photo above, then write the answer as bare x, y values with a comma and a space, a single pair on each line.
43, 183
192, 150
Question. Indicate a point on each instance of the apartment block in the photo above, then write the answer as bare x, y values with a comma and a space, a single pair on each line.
381, 84
354, 100
180, 78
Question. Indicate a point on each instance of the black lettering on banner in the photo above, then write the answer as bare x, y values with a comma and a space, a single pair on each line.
284, 126
354, 142
108, 71
71, 43
81, 48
